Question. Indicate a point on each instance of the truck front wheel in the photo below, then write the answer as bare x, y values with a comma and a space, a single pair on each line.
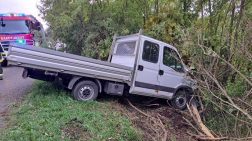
85, 90
180, 100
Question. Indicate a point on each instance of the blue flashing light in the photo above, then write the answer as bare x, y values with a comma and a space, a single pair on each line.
20, 15
12, 15
3, 15
21, 42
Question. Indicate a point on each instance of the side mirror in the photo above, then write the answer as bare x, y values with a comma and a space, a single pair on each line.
2, 24
37, 23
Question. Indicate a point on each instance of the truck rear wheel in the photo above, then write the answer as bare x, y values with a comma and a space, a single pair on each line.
85, 90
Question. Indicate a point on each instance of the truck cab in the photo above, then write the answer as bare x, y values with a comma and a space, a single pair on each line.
159, 70
18, 28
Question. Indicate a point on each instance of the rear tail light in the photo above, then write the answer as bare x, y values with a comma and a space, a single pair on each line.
23, 73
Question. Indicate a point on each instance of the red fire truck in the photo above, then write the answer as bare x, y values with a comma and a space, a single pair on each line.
19, 28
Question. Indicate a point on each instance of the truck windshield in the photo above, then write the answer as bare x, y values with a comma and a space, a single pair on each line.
15, 27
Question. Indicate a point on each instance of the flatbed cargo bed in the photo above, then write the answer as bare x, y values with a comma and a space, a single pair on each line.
49, 60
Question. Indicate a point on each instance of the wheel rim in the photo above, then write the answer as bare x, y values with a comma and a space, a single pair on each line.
181, 101
86, 92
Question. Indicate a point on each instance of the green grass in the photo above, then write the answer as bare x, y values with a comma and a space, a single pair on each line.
45, 114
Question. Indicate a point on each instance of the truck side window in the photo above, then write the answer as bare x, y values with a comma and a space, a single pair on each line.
150, 52
126, 48
171, 59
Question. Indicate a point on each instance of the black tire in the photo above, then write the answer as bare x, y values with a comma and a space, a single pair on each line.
85, 90
180, 100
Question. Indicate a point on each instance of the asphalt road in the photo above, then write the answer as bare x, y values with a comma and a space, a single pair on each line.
12, 88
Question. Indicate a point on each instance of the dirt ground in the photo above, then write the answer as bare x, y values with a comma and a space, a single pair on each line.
171, 118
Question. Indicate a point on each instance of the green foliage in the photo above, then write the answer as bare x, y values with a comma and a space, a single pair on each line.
239, 88
61, 49
38, 38
98, 42
218, 121
45, 114
222, 31
88, 29
163, 26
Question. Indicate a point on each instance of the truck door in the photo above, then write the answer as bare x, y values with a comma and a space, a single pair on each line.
171, 73
145, 82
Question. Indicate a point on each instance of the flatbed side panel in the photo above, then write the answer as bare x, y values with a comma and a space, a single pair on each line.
67, 55
44, 61
66, 61
66, 72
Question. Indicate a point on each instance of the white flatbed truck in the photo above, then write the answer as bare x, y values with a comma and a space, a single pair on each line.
137, 65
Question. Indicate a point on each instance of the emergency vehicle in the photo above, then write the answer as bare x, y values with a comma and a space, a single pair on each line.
19, 28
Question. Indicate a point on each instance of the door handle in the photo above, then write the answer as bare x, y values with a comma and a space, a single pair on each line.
161, 72
140, 67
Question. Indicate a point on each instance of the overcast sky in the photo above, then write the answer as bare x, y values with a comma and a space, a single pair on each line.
27, 7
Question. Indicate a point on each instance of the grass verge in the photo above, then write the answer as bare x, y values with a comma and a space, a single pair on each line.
46, 112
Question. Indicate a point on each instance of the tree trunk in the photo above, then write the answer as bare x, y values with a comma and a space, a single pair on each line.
146, 10
185, 9
99, 4
210, 18
156, 8
219, 16
224, 21
242, 6
228, 55
202, 31
185, 6
218, 21
232, 20
211, 23
234, 76
239, 19
202, 22
109, 9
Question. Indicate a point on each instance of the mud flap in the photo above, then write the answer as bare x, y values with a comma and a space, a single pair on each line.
25, 74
